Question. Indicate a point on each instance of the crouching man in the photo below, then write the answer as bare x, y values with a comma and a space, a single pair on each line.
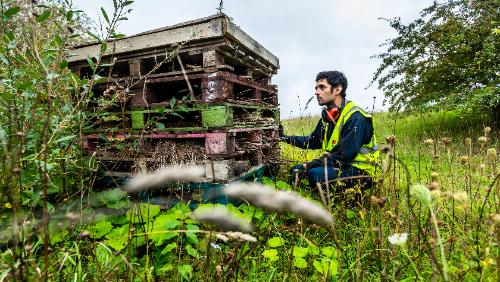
345, 131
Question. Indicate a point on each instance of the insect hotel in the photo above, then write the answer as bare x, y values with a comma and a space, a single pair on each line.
198, 92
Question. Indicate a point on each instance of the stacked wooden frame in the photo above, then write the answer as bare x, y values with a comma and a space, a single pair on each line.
231, 114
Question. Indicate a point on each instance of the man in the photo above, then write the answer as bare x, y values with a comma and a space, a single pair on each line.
344, 130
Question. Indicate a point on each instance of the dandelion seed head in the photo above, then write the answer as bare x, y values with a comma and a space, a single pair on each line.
487, 129
482, 140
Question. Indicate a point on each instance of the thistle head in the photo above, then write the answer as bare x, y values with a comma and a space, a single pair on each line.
421, 194
492, 154
447, 141
435, 177
461, 198
429, 142
464, 160
482, 140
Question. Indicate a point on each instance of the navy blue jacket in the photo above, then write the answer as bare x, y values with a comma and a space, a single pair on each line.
356, 132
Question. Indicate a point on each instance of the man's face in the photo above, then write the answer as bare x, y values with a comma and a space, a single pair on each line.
324, 93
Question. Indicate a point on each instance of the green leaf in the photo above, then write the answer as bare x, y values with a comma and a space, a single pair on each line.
159, 224
150, 121
74, 35
89, 60
142, 213
116, 237
100, 80
322, 266
12, 11
117, 36
69, 15
4, 60
44, 16
184, 270
127, 3
115, 4
168, 248
183, 109
63, 64
177, 115
329, 252
59, 40
300, 252
10, 35
95, 36
104, 138
192, 251
104, 47
159, 125
105, 15
192, 236
271, 254
275, 242
172, 102
123, 19
65, 138
114, 199
300, 262
100, 229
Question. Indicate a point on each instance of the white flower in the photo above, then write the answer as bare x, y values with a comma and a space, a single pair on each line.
398, 239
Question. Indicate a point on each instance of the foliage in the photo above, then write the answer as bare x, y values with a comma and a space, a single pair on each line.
443, 60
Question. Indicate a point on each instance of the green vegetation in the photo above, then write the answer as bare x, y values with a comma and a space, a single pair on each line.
433, 213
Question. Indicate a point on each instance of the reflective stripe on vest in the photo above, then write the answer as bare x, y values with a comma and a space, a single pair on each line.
368, 154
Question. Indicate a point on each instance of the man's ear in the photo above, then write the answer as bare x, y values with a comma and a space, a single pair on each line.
337, 89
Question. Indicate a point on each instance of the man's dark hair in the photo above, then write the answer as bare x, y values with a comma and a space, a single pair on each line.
334, 78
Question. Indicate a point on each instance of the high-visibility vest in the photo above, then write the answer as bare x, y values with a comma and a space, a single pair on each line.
368, 155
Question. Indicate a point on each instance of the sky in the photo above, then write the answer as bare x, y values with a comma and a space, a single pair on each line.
307, 37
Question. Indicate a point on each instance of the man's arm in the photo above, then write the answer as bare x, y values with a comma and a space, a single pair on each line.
312, 141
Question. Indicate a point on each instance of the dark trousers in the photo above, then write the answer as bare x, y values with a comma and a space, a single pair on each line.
339, 190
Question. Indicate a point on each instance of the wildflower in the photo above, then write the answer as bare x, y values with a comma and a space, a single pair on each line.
421, 194
391, 140
432, 186
492, 154
435, 177
468, 141
447, 141
436, 195
464, 160
482, 140
398, 239
429, 142
8, 205
461, 198
487, 130
220, 216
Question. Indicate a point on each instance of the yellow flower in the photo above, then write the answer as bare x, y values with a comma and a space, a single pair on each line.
7, 205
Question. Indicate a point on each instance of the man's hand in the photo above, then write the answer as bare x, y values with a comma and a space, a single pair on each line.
305, 166
281, 133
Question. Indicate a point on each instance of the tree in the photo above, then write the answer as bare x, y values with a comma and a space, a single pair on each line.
446, 59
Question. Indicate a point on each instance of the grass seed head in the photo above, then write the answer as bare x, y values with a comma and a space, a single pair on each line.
222, 237
164, 175
464, 160
421, 194
435, 177
482, 140
239, 235
447, 141
492, 154
302, 207
257, 195
222, 217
